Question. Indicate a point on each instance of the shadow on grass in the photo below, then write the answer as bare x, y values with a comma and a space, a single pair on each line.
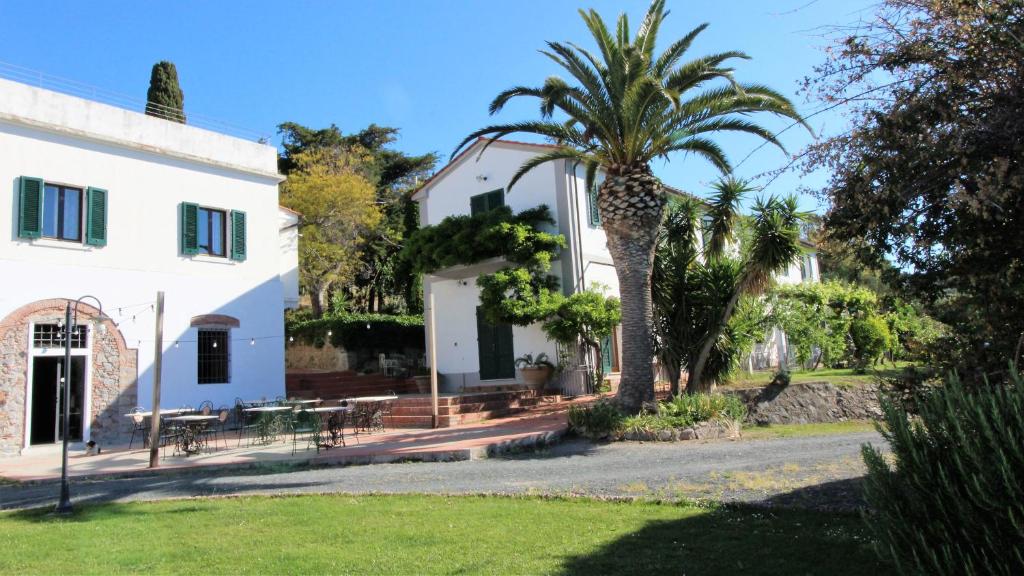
836, 496
34, 502
735, 540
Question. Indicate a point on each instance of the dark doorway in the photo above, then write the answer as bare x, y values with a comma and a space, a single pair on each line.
497, 359
47, 396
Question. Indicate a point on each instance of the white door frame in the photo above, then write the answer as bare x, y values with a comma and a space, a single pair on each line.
32, 354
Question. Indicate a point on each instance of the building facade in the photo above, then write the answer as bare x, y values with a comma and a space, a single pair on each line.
117, 205
470, 352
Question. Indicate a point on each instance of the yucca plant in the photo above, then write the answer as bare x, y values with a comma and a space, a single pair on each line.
626, 105
951, 501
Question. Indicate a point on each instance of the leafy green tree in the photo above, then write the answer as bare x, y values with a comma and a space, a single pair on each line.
705, 283
338, 209
164, 99
818, 315
626, 106
383, 280
930, 173
871, 338
588, 316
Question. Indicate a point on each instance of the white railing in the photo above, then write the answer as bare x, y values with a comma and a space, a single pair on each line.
97, 94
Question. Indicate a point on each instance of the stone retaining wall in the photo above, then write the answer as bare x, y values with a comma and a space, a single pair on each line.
809, 402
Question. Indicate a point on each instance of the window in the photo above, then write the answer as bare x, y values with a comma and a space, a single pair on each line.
707, 228
62, 212
52, 336
211, 231
594, 212
485, 202
214, 358
807, 267
205, 231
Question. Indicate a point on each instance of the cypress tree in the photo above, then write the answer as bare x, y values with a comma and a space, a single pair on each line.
165, 98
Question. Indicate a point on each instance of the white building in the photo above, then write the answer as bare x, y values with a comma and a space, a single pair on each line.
474, 182
117, 205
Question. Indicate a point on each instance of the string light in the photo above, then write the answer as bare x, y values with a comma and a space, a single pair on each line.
252, 342
291, 338
176, 344
330, 333
214, 343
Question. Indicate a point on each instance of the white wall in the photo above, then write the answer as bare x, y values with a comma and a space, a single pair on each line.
457, 348
70, 141
450, 194
289, 254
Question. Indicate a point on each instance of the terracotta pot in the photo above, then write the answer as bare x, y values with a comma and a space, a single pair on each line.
536, 377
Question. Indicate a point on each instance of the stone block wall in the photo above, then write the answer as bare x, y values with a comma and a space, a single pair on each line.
809, 403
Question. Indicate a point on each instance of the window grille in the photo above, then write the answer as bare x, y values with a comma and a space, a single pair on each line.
214, 357
52, 336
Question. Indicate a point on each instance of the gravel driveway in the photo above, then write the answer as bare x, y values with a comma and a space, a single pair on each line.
819, 472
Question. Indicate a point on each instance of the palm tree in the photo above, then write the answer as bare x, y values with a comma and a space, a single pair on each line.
627, 106
698, 290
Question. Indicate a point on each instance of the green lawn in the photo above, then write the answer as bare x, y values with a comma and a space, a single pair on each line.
431, 534
792, 430
836, 376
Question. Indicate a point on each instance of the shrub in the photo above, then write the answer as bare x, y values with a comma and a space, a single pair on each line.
953, 500
645, 423
364, 331
689, 409
781, 378
599, 421
871, 338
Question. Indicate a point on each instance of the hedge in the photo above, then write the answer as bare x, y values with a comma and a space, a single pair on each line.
352, 331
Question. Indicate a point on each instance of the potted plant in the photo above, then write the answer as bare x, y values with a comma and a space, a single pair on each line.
536, 371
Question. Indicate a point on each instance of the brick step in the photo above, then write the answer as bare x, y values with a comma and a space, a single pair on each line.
472, 398
403, 410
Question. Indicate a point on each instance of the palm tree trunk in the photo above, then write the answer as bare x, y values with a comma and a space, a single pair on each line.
696, 383
631, 206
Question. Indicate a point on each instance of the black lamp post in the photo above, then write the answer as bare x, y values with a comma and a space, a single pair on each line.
70, 319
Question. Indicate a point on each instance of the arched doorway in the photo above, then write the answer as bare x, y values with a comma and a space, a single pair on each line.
103, 377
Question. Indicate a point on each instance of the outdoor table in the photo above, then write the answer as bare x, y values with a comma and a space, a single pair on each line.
372, 416
299, 401
269, 424
149, 413
335, 423
191, 439
163, 412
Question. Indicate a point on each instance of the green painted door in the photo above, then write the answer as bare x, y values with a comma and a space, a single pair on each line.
606, 354
495, 347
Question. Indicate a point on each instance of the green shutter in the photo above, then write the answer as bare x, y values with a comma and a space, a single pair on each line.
189, 228
505, 352
606, 354
488, 201
495, 346
30, 207
595, 214
495, 199
96, 216
477, 205
238, 235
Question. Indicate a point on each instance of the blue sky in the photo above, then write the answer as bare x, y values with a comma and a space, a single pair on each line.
429, 67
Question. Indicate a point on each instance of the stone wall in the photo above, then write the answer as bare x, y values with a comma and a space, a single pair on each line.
809, 402
113, 384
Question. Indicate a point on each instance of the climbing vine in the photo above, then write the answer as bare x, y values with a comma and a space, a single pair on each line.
522, 292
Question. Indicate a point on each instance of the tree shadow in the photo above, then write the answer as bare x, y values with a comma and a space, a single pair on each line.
845, 495
738, 539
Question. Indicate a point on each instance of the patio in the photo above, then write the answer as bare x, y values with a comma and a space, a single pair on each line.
448, 444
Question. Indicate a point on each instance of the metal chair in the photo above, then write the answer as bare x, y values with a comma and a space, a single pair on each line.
219, 426
206, 407
306, 422
138, 426
385, 410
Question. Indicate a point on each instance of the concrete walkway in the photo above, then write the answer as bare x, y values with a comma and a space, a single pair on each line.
444, 444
